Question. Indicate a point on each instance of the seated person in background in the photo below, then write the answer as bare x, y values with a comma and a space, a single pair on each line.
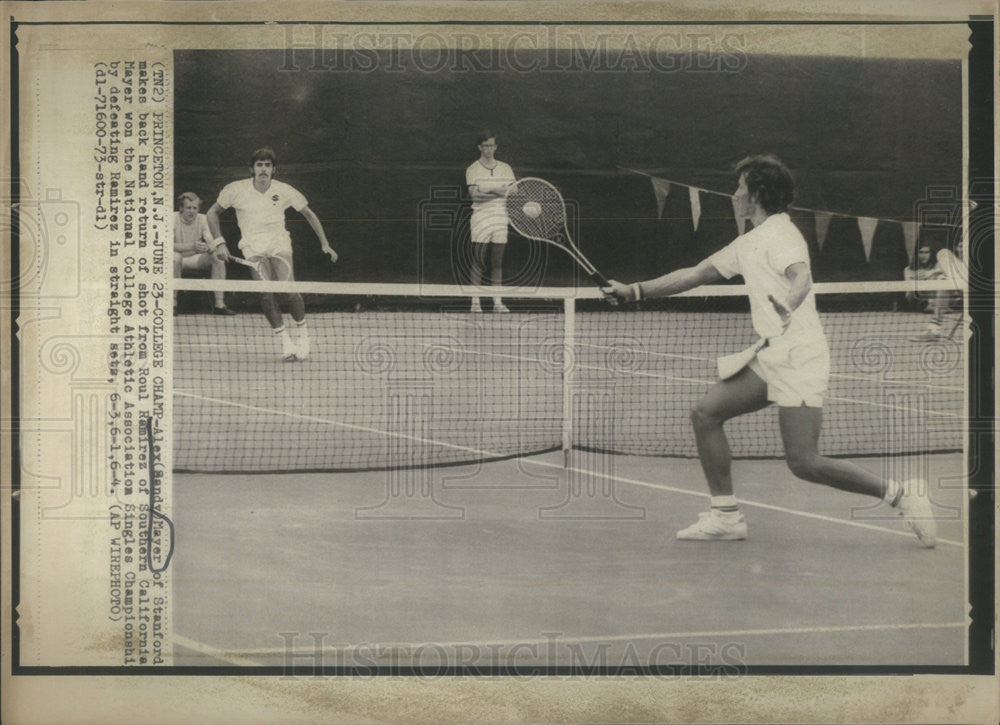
193, 246
951, 266
923, 267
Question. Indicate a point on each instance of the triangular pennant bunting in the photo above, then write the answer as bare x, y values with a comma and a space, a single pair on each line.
661, 189
822, 225
695, 206
867, 226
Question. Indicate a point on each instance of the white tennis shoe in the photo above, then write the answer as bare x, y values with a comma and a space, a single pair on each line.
288, 350
714, 525
302, 351
499, 306
915, 508
475, 306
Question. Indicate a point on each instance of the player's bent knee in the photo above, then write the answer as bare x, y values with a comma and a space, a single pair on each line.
806, 467
702, 418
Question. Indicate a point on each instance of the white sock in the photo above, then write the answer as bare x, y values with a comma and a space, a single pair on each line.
282, 334
300, 325
725, 504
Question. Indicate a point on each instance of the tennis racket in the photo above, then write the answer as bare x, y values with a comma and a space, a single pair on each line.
276, 269
246, 263
537, 211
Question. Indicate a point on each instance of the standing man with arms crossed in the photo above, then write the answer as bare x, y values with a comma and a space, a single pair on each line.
488, 180
791, 369
193, 245
260, 204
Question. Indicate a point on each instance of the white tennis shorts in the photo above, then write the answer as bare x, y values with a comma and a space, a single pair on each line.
796, 374
273, 246
487, 228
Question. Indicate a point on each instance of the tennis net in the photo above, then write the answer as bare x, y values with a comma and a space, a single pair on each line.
402, 376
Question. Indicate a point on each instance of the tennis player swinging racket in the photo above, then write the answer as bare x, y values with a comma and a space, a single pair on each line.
791, 369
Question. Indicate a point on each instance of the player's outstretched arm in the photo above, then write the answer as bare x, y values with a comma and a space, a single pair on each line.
672, 283
317, 227
218, 242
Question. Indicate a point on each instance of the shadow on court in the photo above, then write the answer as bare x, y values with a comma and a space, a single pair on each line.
512, 567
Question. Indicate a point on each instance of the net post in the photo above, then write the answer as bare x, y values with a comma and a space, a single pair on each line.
569, 347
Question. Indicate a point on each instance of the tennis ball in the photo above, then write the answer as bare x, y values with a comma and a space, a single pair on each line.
532, 209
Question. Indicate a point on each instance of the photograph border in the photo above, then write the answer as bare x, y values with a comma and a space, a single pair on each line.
981, 441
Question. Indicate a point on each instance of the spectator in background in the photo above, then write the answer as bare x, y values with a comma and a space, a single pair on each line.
488, 179
951, 267
924, 267
193, 246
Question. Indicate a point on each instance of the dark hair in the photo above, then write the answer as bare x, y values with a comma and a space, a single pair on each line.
484, 136
930, 262
265, 153
769, 182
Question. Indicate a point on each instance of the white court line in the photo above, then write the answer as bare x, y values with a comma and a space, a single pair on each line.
670, 355
772, 507
673, 379
910, 383
348, 344
678, 378
548, 464
938, 413
352, 426
242, 656
652, 353
637, 373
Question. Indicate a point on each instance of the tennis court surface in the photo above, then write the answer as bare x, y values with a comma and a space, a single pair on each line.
432, 486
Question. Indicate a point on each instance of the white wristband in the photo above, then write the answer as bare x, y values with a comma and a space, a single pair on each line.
636, 291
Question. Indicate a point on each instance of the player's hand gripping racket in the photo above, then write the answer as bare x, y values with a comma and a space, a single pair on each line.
536, 210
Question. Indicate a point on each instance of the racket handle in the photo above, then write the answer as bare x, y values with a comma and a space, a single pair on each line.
599, 279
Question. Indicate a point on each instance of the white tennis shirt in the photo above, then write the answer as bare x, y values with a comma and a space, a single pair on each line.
261, 216
762, 255
492, 212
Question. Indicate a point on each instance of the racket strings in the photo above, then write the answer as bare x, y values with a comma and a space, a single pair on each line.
549, 223
551, 217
